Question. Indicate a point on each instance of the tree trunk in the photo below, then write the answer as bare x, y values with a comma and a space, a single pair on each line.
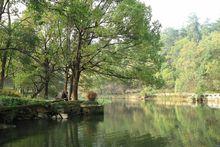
71, 87
76, 86
2, 8
46, 89
46, 82
4, 61
69, 49
5, 52
38, 90
66, 80
77, 67
46, 77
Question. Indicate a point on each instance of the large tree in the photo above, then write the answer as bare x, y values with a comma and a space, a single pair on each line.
6, 30
110, 38
194, 28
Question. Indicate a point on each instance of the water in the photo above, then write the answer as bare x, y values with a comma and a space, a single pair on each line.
124, 124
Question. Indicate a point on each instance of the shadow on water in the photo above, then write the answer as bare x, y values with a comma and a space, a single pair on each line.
75, 133
124, 124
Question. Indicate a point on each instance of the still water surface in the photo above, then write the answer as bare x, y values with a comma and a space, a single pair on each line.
124, 124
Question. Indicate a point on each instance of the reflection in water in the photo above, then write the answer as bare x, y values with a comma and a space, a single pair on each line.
124, 124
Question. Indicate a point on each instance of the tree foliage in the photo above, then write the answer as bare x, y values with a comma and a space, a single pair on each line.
61, 43
192, 60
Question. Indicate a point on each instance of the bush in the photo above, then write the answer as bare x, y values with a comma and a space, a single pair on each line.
9, 92
15, 101
148, 92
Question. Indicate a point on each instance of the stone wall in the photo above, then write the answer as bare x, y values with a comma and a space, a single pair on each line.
48, 111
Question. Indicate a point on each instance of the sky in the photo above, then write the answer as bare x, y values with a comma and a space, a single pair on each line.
174, 13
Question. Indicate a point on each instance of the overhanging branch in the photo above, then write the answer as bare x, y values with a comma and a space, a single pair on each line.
23, 52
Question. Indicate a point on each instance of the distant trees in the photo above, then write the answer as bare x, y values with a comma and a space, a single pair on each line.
194, 29
193, 59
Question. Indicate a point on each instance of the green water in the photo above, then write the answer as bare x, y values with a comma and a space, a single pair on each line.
124, 124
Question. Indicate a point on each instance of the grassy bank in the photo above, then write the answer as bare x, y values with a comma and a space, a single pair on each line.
18, 101
21, 101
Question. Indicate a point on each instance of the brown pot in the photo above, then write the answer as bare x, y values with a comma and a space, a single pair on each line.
91, 96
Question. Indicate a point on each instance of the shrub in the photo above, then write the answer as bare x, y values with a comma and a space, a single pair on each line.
91, 96
148, 91
15, 101
9, 92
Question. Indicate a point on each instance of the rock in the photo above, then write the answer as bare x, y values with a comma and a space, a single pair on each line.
92, 109
73, 110
49, 110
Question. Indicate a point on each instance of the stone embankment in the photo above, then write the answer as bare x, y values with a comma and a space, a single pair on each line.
52, 110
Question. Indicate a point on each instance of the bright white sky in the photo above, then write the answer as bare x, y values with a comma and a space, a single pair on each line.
174, 13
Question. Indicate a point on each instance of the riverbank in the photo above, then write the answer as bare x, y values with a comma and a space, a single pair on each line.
125, 123
17, 109
180, 96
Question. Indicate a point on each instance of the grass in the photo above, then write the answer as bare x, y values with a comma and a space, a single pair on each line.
11, 98
19, 101
16, 101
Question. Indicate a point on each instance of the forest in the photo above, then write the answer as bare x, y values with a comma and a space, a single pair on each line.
51, 46
192, 57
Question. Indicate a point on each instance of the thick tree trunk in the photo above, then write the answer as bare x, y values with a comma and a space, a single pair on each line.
66, 80
4, 61
71, 87
5, 52
72, 68
46, 78
76, 86
46, 89
77, 67
2, 7
38, 90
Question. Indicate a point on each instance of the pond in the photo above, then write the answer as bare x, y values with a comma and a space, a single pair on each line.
124, 124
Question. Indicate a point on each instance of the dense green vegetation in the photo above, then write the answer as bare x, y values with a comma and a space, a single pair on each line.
53, 52
14, 101
17, 101
50, 46
106, 45
192, 57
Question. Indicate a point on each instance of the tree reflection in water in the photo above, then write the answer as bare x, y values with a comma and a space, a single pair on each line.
124, 124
